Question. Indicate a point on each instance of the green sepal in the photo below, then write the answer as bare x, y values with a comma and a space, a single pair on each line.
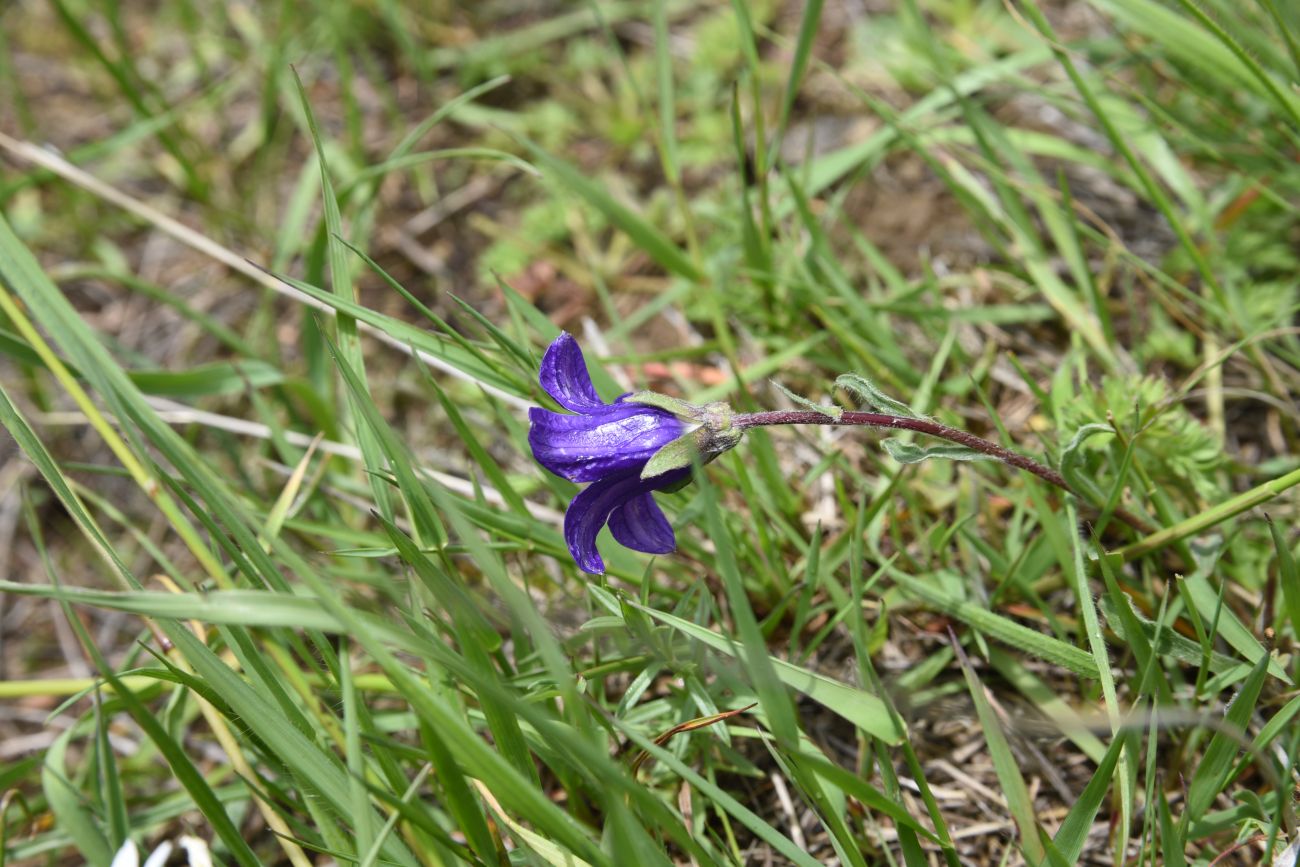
911, 453
714, 432
675, 486
704, 444
675, 405
678, 454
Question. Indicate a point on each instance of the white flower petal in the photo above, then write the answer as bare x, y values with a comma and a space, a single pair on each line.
158, 857
197, 851
127, 856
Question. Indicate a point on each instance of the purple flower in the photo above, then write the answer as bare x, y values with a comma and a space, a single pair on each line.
607, 444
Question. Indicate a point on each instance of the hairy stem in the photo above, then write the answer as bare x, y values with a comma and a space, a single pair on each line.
930, 428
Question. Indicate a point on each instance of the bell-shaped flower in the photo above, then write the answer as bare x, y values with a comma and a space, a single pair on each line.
607, 444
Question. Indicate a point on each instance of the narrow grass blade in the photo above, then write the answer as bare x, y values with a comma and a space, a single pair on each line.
1004, 764
1101, 656
721, 798
1170, 643
1226, 510
186, 773
854, 785
69, 807
658, 246
1227, 625
1073, 834
857, 706
995, 626
1212, 772
348, 342
1209, 47
803, 45
556, 856
1288, 577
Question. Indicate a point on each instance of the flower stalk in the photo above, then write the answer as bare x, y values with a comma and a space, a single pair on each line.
930, 428
645, 442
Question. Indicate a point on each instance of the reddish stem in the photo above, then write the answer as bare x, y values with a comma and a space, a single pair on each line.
930, 428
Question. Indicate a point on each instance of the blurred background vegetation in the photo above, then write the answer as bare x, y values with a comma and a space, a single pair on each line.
232, 228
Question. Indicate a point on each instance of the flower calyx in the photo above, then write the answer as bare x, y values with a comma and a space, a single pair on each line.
712, 431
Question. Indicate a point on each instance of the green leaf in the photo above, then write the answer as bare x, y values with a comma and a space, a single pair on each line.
675, 405
1073, 833
219, 377
828, 410
314, 768
69, 806
831, 167
1210, 775
1207, 518
1005, 765
260, 608
178, 761
1228, 626
859, 707
1087, 606
551, 853
1173, 838
1172, 644
1210, 49
910, 453
996, 626
349, 348
856, 786
721, 798
803, 50
866, 391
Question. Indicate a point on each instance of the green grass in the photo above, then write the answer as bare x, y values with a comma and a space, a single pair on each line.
283, 573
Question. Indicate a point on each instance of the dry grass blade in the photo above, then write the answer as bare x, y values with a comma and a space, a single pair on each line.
688, 726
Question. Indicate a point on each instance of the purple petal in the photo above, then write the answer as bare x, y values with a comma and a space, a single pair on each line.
565, 378
583, 448
641, 525
592, 508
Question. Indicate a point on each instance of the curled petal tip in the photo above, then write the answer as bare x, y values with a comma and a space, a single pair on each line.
564, 375
641, 527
